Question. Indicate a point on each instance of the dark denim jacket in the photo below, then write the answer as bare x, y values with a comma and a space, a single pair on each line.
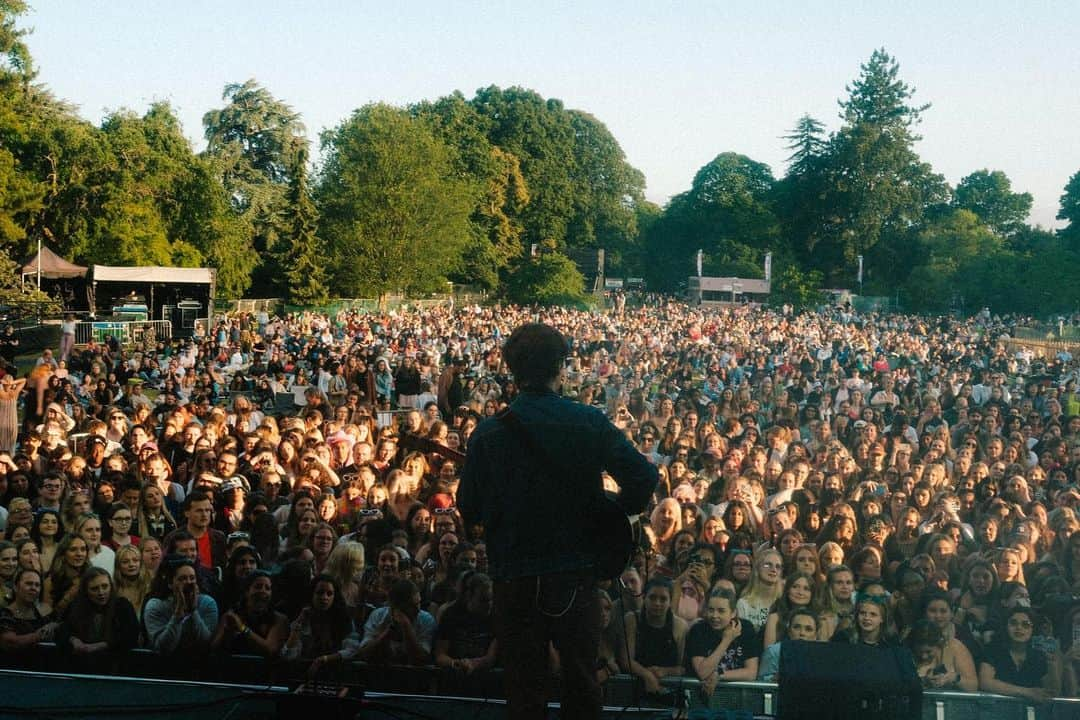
534, 518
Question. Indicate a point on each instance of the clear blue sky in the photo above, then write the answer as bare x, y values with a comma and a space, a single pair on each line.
677, 83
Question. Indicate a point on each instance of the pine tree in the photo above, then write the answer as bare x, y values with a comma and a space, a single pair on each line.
876, 188
304, 259
807, 143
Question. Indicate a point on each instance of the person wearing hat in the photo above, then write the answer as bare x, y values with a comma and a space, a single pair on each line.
95, 454
54, 413
230, 504
340, 444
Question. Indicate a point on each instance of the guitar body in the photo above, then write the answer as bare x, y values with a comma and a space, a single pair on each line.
612, 537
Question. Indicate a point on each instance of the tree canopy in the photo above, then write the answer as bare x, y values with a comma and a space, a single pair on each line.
465, 189
393, 211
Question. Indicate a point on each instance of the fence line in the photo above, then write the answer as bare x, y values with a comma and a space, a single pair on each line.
126, 332
1042, 348
620, 691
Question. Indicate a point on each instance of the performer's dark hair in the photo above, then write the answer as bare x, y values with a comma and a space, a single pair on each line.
535, 353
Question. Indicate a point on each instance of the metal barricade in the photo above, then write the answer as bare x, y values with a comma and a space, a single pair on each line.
389, 418
125, 332
622, 693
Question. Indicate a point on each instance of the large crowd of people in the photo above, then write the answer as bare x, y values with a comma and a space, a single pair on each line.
285, 487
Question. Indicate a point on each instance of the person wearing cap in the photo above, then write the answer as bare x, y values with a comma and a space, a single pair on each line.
340, 444
545, 582
230, 504
95, 454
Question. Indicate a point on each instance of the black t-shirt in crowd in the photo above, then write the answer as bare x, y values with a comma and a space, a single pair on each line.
1029, 675
467, 635
701, 640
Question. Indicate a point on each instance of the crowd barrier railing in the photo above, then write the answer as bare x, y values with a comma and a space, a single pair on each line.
125, 332
624, 691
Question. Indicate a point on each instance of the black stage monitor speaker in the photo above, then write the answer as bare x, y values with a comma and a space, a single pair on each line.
826, 681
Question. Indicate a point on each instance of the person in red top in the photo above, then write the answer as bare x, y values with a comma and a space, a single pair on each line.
199, 512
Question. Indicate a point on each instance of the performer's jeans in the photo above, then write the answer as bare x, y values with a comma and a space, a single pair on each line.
524, 627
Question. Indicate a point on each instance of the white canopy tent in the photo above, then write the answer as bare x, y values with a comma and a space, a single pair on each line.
152, 276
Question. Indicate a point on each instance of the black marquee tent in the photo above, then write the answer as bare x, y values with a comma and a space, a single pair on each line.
58, 277
51, 266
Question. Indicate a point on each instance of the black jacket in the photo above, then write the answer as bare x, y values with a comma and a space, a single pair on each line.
535, 518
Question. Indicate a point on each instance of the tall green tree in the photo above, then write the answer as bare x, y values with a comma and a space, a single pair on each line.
16, 65
797, 198
951, 244
393, 211
21, 193
550, 279
989, 195
304, 259
807, 142
877, 188
251, 141
150, 160
539, 133
496, 219
582, 189
607, 188
727, 213
1070, 211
